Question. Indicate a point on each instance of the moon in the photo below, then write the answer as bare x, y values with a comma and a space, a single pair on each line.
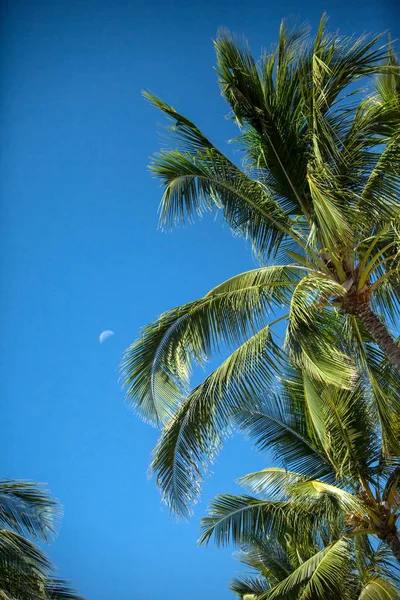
105, 335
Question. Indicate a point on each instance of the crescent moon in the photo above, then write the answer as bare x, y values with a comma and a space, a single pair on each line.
105, 335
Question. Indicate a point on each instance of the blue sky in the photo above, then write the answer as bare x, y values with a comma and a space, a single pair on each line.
80, 252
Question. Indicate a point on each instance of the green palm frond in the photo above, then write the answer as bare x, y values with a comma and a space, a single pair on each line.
280, 485
315, 489
378, 588
308, 345
331, 218
268, 558
320, 573
250, 90
157, 367
272, 482
338, 423
238, 519
249, 588
279, 426
58, 589
27, 508
195, 433
388, 82
383, 381
19, 549
199, 178
313, 345
241, 519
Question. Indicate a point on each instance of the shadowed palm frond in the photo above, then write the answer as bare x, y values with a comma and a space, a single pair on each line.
28, 509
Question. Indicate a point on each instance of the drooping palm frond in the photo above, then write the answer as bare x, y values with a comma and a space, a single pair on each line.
238, 519
241, 519
280, 485
58, 589
156, 368
198, 178
378, 588
369, 571
383, 382
317, 429
21, 550
21, 580
27, 508
310, 346
320, 574
269, 563
197, 429
279, 426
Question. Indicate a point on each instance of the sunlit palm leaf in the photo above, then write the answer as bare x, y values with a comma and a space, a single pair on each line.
320, 573
157, 367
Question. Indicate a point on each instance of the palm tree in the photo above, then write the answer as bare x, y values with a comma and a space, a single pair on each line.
369, 573
28, 511
333, 502
318, 187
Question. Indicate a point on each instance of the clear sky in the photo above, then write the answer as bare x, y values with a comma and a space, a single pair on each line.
80, 252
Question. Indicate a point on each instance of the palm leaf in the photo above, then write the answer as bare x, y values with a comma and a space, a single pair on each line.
157, 367
280, 426
239, 519
320, 573
378, 588
196, 431
27, 508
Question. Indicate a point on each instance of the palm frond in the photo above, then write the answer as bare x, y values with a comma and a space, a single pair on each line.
273, 482
157, 367
58, 589
312, 336
199, 178
18, 548
378, 588
279, 425
28, 509
238, 519
321, 572
195, 433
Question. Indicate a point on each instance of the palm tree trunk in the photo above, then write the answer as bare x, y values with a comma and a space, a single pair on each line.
392, 540
379, 333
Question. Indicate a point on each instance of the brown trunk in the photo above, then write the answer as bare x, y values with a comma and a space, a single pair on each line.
392, 540
379, 333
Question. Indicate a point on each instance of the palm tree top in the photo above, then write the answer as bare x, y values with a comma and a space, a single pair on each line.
317, 195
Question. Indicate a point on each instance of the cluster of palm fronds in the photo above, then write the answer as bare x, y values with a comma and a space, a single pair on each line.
27, 515
322, 515
317, 196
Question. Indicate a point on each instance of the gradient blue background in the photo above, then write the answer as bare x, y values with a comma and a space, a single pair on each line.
80, 252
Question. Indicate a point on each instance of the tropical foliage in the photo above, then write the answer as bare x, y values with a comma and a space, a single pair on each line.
370, 575
317, 197
328, 528
318, 187
27, 515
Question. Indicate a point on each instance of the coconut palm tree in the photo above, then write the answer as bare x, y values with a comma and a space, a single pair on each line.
28, 512
317, 197
369, 571
333, 503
